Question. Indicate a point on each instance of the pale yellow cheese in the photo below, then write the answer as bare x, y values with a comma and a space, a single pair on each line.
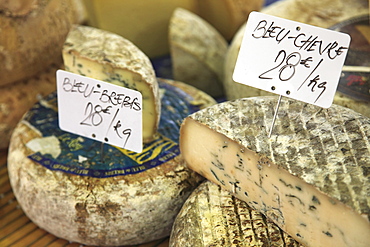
197, 52
227, 15
145, 23
109, 57
311, 177
31, 42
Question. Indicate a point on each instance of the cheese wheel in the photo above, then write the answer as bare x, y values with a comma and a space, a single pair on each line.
211, 216
106, 56
310, 177
74, 189
318, 13
33, 41
145, 23
17, 98
197, 52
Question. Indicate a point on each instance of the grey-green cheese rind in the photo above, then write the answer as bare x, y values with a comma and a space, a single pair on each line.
211, 216
311, 177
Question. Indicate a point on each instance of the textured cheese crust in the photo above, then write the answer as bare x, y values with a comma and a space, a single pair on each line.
211, 216
109, 57
18, 97
311, 177
318, 13
120, 210
32, 42
197, 52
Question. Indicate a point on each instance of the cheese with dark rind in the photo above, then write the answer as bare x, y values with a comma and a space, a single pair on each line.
197, 52
311, 177
18, 97
211, 216
32, 42
318, 13
95, 207
108, 57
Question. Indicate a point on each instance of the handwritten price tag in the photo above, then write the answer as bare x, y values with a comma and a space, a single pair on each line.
100, 110
292, 59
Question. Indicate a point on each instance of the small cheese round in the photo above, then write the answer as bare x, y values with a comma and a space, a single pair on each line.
17, 98
211, 216
67, 186
32, 36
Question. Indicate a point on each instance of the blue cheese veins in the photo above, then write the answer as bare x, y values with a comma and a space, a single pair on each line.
310, 177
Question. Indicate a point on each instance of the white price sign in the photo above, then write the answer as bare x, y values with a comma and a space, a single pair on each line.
100, 110
292, 59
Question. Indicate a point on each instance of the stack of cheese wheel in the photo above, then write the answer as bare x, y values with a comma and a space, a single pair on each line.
79, 190
32, 33
321, 13
310, 177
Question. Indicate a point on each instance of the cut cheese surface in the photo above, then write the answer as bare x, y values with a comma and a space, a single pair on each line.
17, 98
79, 190
109, 57
311, 177
211, 216
197, 52
32, 34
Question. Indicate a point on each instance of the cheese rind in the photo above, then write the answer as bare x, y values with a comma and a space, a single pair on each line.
109, 57
211, 216
310, 177
197, 52
32, 42
111, 209
16, 99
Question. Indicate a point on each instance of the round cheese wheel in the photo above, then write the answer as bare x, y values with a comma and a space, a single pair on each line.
17, 98
318, 13
81, 191
32, 35
211, 216
197, 52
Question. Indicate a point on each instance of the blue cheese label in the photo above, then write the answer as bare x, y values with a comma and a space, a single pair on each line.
100, 110
86, 157
292, 59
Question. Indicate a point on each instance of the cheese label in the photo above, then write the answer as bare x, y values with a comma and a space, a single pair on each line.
84, 156
355, 77
292, 59
99, 110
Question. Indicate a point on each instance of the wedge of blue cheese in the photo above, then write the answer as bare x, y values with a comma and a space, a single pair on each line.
311, 177
108, 57
211, 216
